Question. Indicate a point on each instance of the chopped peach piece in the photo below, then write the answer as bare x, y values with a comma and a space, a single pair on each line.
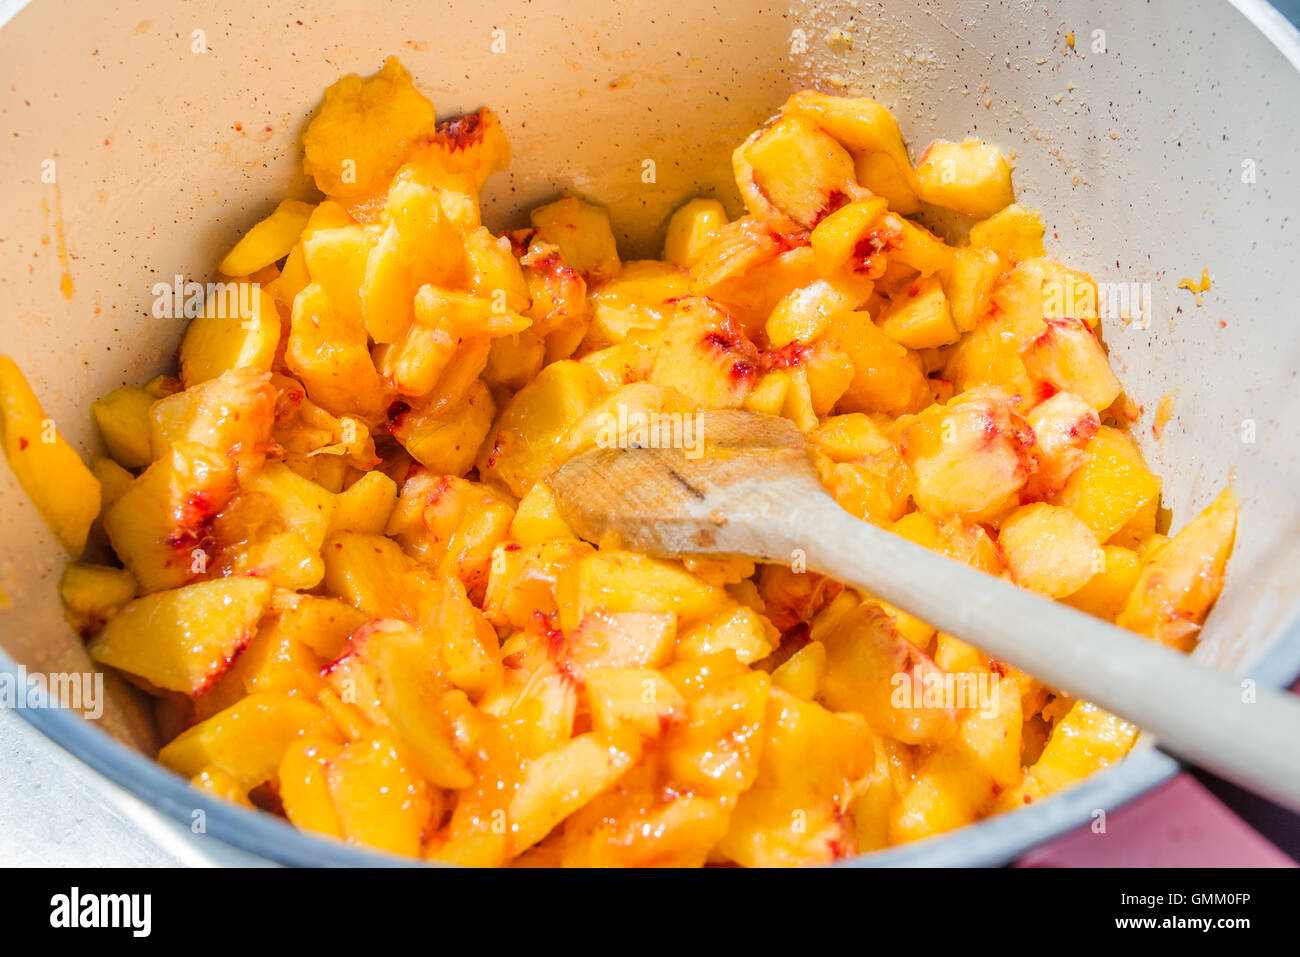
1049, 550
64, 491
970, 457
1181, 580
971, 177
184, 639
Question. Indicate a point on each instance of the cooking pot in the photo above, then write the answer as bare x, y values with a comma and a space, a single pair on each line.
141, 139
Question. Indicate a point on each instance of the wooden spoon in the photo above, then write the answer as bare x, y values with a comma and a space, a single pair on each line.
751, 490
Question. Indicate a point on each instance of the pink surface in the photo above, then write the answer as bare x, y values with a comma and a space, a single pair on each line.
1180, 824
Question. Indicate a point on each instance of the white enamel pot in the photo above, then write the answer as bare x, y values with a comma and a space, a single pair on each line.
1163, 143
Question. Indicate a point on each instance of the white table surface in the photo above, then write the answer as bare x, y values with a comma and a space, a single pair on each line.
56, 812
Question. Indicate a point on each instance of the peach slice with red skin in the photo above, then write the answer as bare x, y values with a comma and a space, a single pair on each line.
1182, 579
813, 763
1067, 356
970, 457
865, 657
392, 674
161, 526
183, 639
794, 170
706, 356
1063, 426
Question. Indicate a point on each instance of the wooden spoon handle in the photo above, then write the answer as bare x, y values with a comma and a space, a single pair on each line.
1198, 713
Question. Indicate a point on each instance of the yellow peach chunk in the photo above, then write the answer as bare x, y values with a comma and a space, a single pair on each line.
619, 581
304, 785
123, 420
691, 229
381, 801
1049, 550
64, 491
269, 241
363, 131
813, 762
92, 594
1014, 233
921, 318
365, 505
1111, 485
639, 698
248, 739
240, 330
1086, 740
792, 168
583, 235
969, 458
968, 281
523, 444
1107, 591
1181, 580
839, 237
158, 525
970, 177
805, 313
184, 639
559, 782
736, 628
1068, 356
868, 130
